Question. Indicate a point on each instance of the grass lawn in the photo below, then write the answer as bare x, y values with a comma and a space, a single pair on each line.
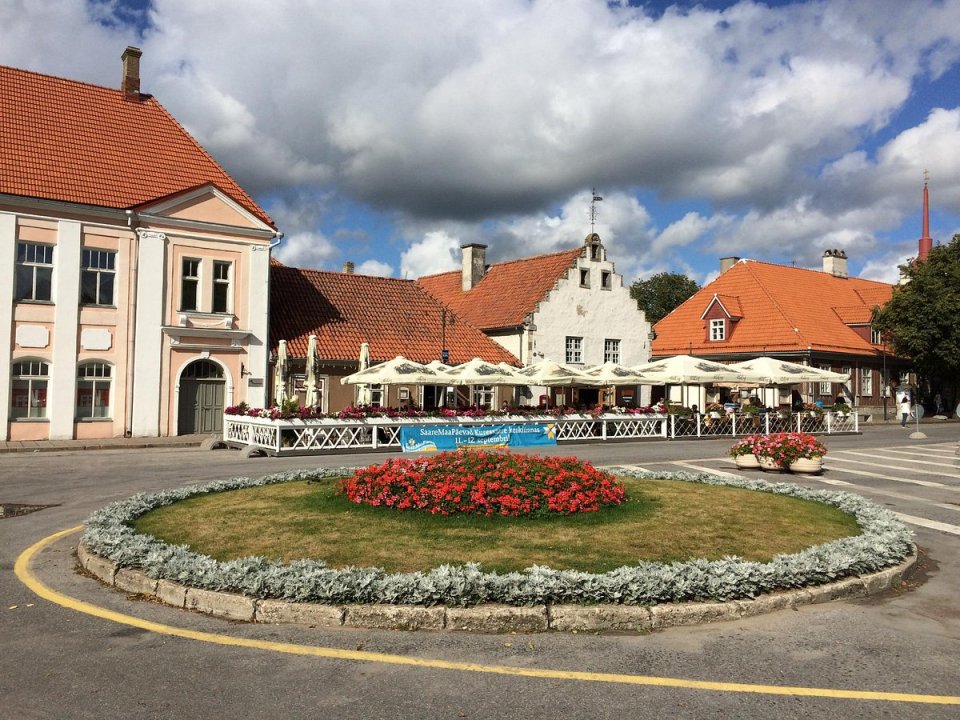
664, 520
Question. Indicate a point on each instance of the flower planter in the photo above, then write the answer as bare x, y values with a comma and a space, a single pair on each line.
768, 464
747, 462
807, 465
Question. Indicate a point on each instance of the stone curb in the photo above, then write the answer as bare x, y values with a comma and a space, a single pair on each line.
490, 618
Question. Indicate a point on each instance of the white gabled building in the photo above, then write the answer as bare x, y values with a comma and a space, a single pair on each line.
571, 307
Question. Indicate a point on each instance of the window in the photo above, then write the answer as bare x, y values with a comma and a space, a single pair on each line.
584, 278
189, 284
826, 388
876, 337
29, 389
606, 279
574, 349
34, 271
377, 395
93, 390
611, 351
866, 381
97, 271
221, 287
482, 396
718, 329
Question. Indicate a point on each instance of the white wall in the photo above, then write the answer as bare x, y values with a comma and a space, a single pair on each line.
8, 255
63, 367
149, 345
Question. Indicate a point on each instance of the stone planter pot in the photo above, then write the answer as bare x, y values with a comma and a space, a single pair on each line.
747, 462
807, 465
768, 464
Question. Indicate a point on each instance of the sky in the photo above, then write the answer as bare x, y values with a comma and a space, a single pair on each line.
388, 133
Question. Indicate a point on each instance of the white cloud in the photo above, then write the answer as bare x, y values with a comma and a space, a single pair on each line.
437, 252
306, 250
374, 267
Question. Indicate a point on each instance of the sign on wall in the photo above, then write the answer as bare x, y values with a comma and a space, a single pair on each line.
499, 435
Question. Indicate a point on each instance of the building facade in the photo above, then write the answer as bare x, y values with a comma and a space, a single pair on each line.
571, 307
134, 271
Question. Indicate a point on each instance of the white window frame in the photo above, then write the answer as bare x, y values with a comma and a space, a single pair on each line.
96, 375
378, 395
27, 259
482, 396
718, 329
866, 382
194, 279
876, 337
611, 350
33, 376
826, 388
574, 350
102, 264
218, 283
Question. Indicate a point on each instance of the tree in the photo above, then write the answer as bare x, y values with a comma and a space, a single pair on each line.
922, 319
661, 293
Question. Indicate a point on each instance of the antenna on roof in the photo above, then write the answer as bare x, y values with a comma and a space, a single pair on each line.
594, 199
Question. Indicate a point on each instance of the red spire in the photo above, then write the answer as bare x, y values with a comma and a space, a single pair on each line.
926, 242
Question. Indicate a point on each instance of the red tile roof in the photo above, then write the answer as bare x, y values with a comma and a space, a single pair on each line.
397, 317
785, 309
507, 293
79, 143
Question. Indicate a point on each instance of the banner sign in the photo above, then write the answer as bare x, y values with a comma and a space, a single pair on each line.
500, 435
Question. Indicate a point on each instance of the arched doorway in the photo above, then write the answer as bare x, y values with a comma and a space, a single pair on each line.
202, 389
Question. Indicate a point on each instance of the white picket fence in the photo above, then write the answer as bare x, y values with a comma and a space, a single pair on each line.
305, 437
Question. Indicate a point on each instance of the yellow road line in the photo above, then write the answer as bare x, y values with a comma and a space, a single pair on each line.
24, 573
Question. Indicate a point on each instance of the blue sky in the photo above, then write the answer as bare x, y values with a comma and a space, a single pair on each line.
388, 134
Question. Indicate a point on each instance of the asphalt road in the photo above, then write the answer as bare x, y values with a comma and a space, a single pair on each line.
59, 661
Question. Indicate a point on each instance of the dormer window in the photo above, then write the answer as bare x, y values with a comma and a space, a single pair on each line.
718, 330
876, 337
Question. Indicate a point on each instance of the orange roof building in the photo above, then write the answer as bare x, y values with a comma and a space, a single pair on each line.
395, 317
816, 317
133, 269
570, 306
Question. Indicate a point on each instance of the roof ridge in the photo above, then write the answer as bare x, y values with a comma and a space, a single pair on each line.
69, 80
813, 270
570, 251
338, 273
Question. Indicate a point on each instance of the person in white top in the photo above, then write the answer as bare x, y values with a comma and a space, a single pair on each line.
904, 409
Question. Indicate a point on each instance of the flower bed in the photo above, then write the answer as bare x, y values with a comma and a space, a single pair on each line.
485, 483
884, 541
784, 448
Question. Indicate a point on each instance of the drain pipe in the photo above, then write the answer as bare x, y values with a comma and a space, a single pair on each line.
133, 224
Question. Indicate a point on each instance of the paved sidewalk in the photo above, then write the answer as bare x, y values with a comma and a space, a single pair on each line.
120, 443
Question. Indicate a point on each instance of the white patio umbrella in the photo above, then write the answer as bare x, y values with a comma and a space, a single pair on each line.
481, 372
548, 373
613, 374
310, 384
687, 370
398, 371
438, 365
363, 391
280, 373
772, 371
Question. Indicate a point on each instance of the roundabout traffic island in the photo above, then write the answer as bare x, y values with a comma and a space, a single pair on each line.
426, 543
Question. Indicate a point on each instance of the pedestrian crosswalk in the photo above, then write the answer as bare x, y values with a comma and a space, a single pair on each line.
921, 484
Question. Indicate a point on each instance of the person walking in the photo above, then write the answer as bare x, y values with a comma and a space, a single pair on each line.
904, 409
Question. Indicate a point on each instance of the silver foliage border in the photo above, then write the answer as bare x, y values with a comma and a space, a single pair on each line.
883, 542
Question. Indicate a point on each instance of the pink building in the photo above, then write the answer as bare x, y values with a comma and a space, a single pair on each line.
134, 271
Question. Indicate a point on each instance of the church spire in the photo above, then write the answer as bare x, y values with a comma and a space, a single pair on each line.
926, 242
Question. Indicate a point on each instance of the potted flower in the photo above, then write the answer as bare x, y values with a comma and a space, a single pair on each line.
743, 454
797, 452
715, 410
841, 409
812, 410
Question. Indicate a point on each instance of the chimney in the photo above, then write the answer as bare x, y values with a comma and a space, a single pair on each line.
348, 268
926, 242
130, 84
835, 263
474, 264
727, 263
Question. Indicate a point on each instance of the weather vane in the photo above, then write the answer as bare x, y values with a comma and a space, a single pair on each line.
593, 209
